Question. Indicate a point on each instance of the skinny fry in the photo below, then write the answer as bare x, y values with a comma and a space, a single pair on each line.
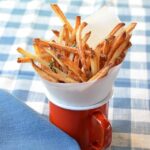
130, 27
42, 73
61, 15
119, 39
24, 60
85, 38
75, 69
101, 73
77, 24
116, 28
79, 43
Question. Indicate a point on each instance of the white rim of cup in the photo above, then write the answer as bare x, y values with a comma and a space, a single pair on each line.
80, 108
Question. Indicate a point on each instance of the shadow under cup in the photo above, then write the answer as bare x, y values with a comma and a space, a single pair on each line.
90, 128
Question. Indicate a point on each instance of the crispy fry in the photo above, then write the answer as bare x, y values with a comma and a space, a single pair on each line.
75, 69
110, 43
68, 77
130, 27
88, 62
34, 57
94, 64
24, 60
120, 58
73, 35
73, 76
85, 38
119, 39
103, 72
53, 54
126, 44
116, 28
61, 15
103, 59
79, 43
98, 53
56, 45
42, 73
60, 77
66, 36
43, 43
105, 47
41, 53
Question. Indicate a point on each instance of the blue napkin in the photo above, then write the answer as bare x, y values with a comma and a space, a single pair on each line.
23, 129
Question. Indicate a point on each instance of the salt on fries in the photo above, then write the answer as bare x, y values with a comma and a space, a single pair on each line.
69, 59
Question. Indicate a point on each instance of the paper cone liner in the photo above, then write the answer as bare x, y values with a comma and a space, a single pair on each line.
80, 96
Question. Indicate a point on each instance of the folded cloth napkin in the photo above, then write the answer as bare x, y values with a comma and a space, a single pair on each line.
23, 129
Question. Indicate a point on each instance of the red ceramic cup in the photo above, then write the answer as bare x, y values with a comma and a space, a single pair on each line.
90, 128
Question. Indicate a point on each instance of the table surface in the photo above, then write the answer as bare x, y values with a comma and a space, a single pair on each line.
129, 111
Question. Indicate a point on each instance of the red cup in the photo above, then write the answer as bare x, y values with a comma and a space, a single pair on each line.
90, 128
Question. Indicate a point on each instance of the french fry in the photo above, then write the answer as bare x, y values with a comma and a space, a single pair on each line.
94, 64
73, 76
105, 47
75, 69
66, 36
60, 77
119, 39
110, 43
24, 60
116, 29
120, 58
42, 73
130, 27
61, 15
69, 77
41, 53
98, 53
88, 62
53, 54
73, 35
56, 45
30, 55
43, 43
103, 72
103, 59
120, 50
79, 43
85, 38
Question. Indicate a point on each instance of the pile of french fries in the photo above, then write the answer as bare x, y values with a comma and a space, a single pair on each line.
69, 59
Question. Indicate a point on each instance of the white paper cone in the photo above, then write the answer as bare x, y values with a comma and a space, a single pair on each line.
81, 96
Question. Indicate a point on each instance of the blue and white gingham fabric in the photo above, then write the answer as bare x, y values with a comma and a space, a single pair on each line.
21, 21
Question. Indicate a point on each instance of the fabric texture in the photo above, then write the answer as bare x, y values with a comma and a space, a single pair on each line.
129, 111
21, 128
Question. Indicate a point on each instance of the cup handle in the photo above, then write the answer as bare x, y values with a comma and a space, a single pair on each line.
103, 134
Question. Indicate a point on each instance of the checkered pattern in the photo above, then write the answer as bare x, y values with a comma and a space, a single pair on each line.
21, 21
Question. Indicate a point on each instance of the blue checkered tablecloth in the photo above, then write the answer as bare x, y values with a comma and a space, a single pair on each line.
21, 21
